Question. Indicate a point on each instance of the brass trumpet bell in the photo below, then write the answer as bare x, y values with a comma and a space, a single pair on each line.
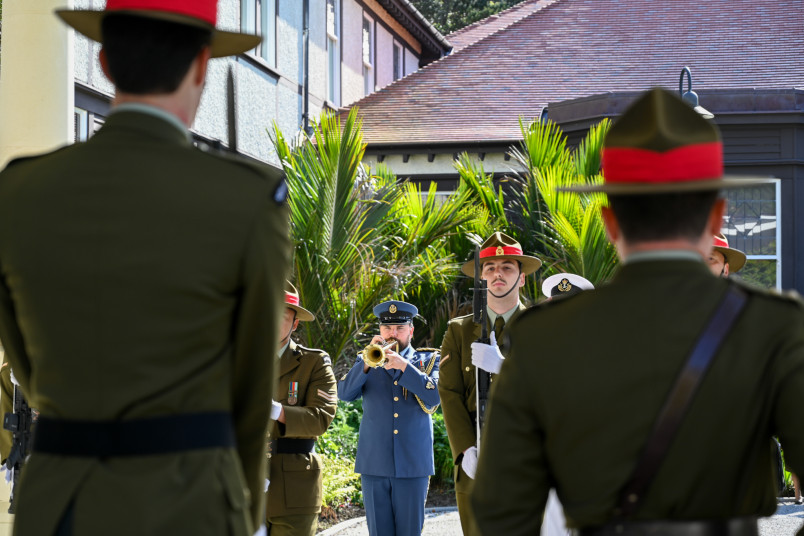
374, 354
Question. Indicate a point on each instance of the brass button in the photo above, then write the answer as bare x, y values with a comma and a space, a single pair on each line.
396, 431
269, 454
396, 383
396, 415
467, 369
308, 467
396, 399
491, 379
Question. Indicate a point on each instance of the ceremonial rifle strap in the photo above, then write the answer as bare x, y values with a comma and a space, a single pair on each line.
679, 399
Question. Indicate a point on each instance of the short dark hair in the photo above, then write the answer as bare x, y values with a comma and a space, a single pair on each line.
651, 217
150, 56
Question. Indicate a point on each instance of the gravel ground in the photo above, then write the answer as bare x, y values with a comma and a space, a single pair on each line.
788, 519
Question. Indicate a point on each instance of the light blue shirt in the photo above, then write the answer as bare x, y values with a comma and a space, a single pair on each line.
664, 255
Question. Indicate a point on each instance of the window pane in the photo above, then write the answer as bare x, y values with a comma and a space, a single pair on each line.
750, 220
331, 67
759, 272
397, 62
367, 41
332, 28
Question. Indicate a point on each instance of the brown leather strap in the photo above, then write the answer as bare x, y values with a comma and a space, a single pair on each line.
679, 399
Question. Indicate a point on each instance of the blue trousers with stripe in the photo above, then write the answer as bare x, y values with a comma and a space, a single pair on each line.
394, 506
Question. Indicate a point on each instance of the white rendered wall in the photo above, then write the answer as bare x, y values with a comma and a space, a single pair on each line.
36, 82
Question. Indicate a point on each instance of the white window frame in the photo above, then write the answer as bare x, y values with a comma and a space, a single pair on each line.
259, 17
333, 51
81, 131
778, 229
399, 57
368, 55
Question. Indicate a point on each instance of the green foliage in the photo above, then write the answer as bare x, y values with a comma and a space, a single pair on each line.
450, 15
360, 238
338, 449
761, 273
442, 454
565, 228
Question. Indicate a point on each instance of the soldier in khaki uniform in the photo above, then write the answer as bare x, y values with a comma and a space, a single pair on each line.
724, 260
504, 268
142, 322
307, 400
588, 378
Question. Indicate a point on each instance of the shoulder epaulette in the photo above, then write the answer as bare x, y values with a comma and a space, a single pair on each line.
21, 159
788, 295
315, 351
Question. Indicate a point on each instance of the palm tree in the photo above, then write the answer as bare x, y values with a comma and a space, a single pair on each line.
566, 228
360, 237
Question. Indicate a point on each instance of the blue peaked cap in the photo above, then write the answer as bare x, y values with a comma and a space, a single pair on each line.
395, 312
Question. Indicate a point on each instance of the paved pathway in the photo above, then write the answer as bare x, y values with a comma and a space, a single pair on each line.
444, 521
789, 518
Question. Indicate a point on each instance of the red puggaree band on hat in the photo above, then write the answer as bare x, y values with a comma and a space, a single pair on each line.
506, 250
290, 299
205, 10
688, 163
720, 243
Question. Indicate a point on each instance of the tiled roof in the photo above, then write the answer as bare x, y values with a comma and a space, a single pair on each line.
575, 48
484, 28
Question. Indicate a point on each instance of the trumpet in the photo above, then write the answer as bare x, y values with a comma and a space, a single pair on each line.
374, 354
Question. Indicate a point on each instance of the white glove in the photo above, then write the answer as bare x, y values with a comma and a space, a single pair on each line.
14, 379
469, 462
487, 356
276, 410
267, 483
262, 531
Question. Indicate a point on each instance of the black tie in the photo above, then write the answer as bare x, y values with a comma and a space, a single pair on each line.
498, 327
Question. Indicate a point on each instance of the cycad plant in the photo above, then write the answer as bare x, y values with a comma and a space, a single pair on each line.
567, 227
360, 237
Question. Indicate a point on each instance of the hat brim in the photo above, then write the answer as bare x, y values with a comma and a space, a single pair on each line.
727, 182
529, 264
734, 257
89, 22
301, 313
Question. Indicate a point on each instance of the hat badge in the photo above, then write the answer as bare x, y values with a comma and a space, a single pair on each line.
392, 309
564, 286
500, 251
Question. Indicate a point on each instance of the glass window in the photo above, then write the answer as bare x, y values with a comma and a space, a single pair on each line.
333, 52
368, 56
81, 118
259, 17
397, 61
752, 225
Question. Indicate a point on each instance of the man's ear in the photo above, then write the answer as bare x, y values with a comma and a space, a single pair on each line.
202, 59
716, 216
295, 324
611, 224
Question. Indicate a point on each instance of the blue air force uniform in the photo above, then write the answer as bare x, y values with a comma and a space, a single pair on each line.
395, 448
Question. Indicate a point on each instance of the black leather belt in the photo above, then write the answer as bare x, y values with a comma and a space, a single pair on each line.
139, 437
738, 526
290, 445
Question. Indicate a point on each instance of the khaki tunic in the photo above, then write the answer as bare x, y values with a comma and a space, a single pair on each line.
457, 387
575, 411
296, 479
142, 277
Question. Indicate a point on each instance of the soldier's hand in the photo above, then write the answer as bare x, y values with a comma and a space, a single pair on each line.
487, 356
395, 361
469, 462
